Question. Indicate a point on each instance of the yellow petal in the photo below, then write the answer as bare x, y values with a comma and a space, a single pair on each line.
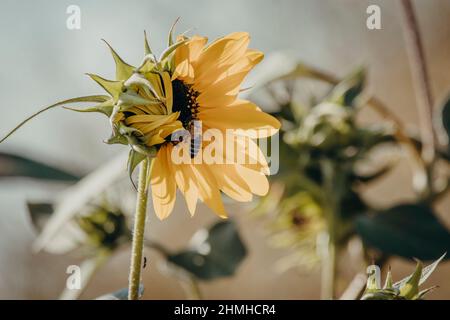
225, 89
146, 127
231, 183
145, 118
243, 65
244, 151
162, 184
242, 115
208, 189
186, 56
190, 50
155, 81
184, 71
256, 180
219, 56
159, 135
185, 180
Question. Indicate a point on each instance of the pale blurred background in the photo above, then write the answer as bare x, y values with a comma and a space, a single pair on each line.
43, 62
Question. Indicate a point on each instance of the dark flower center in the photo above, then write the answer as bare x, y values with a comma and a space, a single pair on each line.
184, 101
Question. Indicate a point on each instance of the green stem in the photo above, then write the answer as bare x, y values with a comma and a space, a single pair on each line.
138, 233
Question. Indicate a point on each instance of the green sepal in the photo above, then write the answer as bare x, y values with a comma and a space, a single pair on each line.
140, 81
379, 295
170, 40
105, 108
346, 92
425, 292
411, 288
372, 284
127, 131
123, 69
166, 53
147, 49
134, 158
133, 99
116, 139
114, 88
148, 64
145, 150
94, 98
388, 283
426, 272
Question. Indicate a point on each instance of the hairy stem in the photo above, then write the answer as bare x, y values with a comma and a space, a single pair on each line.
138, 233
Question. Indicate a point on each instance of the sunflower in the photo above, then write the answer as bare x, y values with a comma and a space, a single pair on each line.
206, 81
192, 82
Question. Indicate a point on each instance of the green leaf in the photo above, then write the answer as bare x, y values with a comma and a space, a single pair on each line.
216, 252
407, 230
17, 166
39, 213
352, 204
346, 91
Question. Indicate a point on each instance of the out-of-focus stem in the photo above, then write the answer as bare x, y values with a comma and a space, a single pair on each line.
138, 233
329, 245
355, 288
421, 81
329, 262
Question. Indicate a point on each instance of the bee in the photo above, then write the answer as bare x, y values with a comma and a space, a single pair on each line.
196, 138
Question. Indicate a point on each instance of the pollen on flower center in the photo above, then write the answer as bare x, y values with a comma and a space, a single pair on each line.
184, 101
